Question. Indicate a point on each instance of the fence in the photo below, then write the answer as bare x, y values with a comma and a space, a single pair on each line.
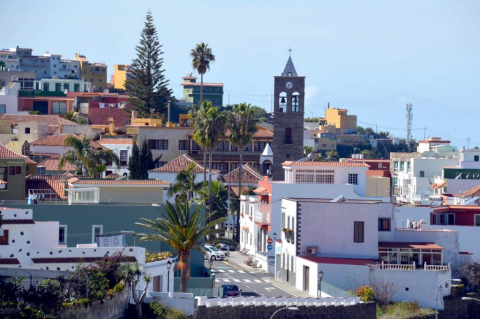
383, 266
334, 291
436, 267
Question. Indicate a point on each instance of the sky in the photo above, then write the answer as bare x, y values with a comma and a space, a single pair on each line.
370, 57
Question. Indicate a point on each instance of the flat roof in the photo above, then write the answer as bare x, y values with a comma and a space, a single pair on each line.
340, 261
329, 200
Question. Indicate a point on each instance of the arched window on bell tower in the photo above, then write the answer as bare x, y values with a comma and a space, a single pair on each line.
282, 102
296, 102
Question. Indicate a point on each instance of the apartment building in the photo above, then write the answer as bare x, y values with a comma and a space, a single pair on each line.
95, 73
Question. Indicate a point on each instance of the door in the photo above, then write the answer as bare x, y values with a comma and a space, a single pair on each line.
41, 107
157, 284
306, 278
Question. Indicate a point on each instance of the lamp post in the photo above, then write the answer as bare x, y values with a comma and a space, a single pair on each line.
320, 276
469, 298
286, 308
211, 264
436, 294
169, 266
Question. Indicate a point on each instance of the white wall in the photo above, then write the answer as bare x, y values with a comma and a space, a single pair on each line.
45, 234
461, 185
159, 268
9, 97
44, 149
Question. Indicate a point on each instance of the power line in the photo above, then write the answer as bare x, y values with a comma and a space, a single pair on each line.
247, 94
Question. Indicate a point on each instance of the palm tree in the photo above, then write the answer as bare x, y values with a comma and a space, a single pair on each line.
185, 184
75, 117
131, 273
219, 198
184, 230
242, 125
201, 57
198, 122
89, 162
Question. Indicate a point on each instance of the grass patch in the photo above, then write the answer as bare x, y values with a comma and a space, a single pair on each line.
403, 310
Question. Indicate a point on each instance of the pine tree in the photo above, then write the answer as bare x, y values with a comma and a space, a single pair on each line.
134, 162
147, 85
146, 160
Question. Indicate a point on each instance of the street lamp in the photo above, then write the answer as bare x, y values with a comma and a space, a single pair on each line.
469, 298
436, 294
169, 266
274, 236
320, 276
211, 264
286, 308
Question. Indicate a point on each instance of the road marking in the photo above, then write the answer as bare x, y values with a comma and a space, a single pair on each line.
269, 288
265, 280
220, 270
232, 265
247, 280
231, 270
252, 272
256, 280
217, 280
241, 271
226, 280
236, 280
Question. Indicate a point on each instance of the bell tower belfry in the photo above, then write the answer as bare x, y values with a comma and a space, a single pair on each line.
288, 118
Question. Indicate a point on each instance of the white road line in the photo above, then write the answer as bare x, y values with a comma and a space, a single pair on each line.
269, 288
256, 280
241, 271
226, 280
265, 280
231, 271
236, 280
252, 272
217, 280
220, 270
247, 280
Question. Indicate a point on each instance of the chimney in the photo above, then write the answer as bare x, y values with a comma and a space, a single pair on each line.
111, 126
134, 114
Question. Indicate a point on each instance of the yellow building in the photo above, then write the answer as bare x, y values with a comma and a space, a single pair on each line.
340, 120
120, 75
95, 73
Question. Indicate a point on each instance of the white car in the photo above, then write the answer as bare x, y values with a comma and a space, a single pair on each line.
214, 253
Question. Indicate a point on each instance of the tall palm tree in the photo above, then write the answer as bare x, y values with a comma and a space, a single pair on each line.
185, 183
87, 161
184, 229
242, 125
131, 273
199, 124
219, 196
201, 57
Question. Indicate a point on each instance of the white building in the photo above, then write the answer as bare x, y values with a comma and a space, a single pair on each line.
123, 148
356, 243
462, 177
9, 99
61, 85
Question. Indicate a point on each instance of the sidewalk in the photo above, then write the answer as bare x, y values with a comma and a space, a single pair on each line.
237, 260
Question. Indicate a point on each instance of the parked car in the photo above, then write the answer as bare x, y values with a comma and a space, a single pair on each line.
231, 291
214, 254
226, 247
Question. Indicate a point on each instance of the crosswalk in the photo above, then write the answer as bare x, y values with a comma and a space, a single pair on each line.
234, 271
242, 280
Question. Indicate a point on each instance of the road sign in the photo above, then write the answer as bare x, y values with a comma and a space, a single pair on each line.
269, 241
269, 247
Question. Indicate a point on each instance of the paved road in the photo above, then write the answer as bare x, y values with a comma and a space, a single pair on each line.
252, 283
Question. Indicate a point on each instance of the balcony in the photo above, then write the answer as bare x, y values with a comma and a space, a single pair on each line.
262, 218
413, 266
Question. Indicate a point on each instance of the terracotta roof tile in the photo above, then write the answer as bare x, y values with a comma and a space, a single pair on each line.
57, 140
100, 116
235, 189
474, 191
18, 221
71, 260
77, 181
320, 164
417, 245
110, 141
249, 175
51, 164
180, 163
55, 120
261, 191
9, 261
6, 153
46, 182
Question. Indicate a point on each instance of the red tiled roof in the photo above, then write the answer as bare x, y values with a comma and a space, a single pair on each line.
46, 182
55, 120
71, 260
9, 261
6, 153
52, 129
340, 261
18, 221
378, 173
77, 181
320, 164
249, 175
474, 191
51, 164
110, 141
112, 176
100, 116
58, 140
417, 245
235, 189
260, 191
181, 163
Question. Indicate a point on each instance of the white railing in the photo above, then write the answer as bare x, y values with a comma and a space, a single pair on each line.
384, 266
436, 267
277, 302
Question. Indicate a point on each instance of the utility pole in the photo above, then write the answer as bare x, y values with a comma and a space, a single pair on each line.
468, 143
425, 133
409, 125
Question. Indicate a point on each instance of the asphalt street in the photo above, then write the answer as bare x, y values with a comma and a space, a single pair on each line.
252, 282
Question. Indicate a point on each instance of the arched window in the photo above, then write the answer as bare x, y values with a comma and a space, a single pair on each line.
266, 167
295, 102
282, 102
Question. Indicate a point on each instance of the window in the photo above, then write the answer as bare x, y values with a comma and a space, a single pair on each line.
15, 170
76, 87
123, 157
353, 179
434, 219
4, 238
249, 147
66, 86
58, 87
422, 173
195, 146
62, 235
451, 219
395, 181
160, 164
99, 80
395, 166
259, 146
358, 232
233, 148
222, 167
223, 146
304, 177
27, 130
183, 145
158, 144
54, 65
384, 224
288, 136
325, 176
97, 230
402, 166
3, 109
477, 220
59, 107
234, 166
408, 166
476, 158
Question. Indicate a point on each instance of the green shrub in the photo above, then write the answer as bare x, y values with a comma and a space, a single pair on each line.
173, 313
460, 289
365, 293
118, 287
158, 309
156, 256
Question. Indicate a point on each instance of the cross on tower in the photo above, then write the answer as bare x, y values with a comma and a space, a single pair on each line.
290, 52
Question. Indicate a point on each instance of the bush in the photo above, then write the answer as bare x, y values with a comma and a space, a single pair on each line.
118, 288
160, 311
156, 256
173, 313
365, 293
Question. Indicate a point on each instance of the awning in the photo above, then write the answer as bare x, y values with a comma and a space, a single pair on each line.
409, 245
438, 185
260, 191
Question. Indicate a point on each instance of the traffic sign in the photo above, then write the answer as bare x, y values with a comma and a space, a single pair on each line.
269, 241
269, 247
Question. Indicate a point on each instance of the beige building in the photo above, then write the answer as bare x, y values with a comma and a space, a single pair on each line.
339, 120
377, 186
120, 75
95, 73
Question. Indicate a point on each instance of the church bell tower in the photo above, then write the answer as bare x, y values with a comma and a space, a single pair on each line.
288, 118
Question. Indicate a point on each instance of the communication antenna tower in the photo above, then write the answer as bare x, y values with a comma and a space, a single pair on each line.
409, 125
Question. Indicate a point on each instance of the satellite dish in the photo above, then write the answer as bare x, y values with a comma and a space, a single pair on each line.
65, 91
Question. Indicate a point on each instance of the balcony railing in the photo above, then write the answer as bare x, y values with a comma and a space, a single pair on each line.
436, 267
263, 218
412, 266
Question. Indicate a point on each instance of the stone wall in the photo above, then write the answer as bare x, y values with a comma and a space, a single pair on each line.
359, 311
107, 309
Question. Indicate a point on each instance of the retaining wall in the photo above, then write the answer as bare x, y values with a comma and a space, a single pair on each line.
108, 309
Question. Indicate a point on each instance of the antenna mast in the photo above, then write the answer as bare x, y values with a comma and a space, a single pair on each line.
409, 125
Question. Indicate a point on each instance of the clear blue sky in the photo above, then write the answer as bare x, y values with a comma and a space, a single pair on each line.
371, 57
